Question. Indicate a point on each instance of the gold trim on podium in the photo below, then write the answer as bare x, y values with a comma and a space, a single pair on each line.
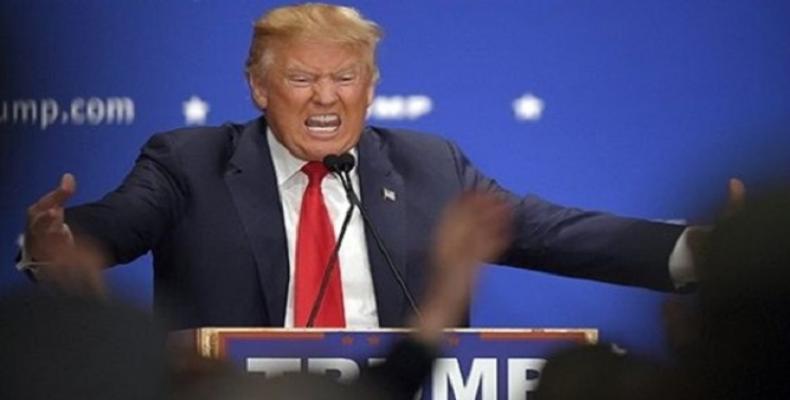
209, 341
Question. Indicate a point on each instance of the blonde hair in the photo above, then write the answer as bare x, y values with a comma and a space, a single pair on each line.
312, 21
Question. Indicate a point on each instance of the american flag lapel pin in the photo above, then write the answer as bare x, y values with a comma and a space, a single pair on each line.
388, 194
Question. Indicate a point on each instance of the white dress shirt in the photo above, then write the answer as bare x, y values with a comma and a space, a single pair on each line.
359, 300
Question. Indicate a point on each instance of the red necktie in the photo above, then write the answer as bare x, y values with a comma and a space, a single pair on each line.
315, 241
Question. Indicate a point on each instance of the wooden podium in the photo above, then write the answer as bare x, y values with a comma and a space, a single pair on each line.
474, 363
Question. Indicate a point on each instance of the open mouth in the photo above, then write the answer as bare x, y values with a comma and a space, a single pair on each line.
323, 123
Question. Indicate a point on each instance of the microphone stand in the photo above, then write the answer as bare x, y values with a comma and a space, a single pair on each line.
330, 266
352, 197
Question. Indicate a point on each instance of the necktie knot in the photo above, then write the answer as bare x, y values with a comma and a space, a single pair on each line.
315, 171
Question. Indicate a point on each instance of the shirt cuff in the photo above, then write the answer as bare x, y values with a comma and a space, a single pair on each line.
681, 261
24, 262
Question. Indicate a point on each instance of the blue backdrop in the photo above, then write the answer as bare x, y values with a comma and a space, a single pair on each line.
638, 108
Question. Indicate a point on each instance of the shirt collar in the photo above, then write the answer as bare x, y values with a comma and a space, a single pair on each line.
286, 166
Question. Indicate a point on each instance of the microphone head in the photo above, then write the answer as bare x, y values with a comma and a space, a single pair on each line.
332, 163
346, 162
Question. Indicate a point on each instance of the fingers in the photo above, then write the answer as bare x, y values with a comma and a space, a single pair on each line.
57, 197
484, 220
736, 196
47, 212
48, 221
46, 234
473, 229
68, 184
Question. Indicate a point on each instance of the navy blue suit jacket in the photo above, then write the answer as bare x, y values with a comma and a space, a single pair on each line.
206, 202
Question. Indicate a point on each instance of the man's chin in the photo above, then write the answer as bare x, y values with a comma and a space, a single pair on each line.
318, 153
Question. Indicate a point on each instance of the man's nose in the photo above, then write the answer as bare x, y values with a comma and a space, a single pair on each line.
324, 92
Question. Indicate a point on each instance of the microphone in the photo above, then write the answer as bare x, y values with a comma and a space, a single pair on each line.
341, 165
331, 162
346, 163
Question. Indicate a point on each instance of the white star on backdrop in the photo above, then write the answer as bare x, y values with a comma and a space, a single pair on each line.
528, 107
195, 111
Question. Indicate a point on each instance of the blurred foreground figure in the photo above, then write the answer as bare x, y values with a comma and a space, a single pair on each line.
743, 351
732, 343
61, 347
599, 373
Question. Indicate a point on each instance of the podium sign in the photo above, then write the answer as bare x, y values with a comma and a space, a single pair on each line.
474, 363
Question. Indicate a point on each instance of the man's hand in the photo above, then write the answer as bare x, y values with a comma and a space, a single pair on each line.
697, 236
73, 266
47, 237
473, 229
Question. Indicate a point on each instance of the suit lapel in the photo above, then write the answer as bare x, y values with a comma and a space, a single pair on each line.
383, 194
252, 183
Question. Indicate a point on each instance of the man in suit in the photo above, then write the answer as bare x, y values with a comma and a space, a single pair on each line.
237, 215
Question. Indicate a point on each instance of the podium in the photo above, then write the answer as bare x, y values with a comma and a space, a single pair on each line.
473, 363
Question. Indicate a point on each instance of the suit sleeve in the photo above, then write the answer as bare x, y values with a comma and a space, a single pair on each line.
130, 220
578, 243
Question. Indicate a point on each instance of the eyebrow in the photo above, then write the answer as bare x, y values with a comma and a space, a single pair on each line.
299, 70
353, 68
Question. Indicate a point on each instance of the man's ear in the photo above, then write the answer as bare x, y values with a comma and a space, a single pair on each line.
259, 93
371, 93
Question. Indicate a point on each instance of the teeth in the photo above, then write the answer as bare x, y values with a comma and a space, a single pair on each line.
323, 121
322, 129
324, 118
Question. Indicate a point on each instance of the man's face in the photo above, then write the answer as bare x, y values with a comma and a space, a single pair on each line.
316, 96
